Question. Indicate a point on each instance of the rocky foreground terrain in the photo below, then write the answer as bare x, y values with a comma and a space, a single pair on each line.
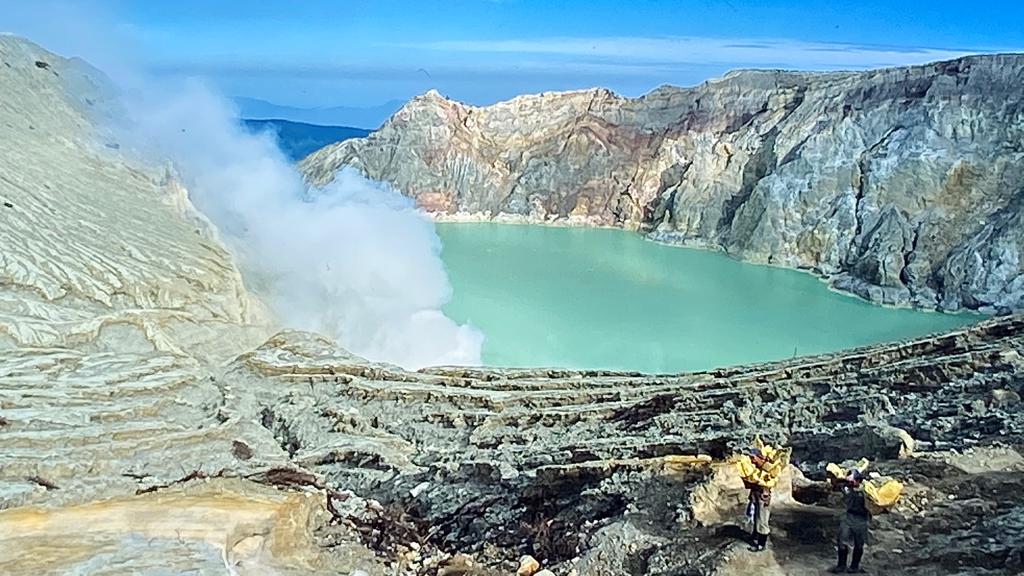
153, 422
904, 186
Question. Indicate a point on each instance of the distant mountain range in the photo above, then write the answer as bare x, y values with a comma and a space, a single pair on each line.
369, 117
298, 139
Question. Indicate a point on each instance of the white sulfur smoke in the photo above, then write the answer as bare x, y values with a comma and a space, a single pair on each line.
354, 260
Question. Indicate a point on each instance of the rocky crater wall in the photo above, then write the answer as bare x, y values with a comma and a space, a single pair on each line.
904, 186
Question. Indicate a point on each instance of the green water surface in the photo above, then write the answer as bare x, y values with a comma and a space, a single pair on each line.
594, 298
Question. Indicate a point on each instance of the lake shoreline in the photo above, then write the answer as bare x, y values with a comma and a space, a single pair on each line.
693, 244
610, 299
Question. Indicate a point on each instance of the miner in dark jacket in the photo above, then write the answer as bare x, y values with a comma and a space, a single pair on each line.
853, 524
759, 507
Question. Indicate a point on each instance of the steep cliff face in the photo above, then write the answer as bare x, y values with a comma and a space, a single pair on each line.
904, 185
98, 248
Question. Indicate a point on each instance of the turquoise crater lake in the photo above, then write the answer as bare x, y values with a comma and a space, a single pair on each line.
608, 299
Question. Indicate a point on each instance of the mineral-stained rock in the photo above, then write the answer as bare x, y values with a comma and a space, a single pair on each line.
545, 460
458, 565
225, 525
902, 185
594, 454
528, 566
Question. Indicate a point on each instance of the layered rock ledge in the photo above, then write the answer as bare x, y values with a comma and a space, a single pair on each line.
597, 472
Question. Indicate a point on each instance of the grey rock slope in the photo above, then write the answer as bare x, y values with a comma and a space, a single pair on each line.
596, 470
902, 185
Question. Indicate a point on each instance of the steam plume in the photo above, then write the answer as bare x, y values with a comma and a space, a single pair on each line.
354, 260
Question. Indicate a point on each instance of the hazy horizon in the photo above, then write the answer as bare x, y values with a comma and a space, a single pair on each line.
362, 54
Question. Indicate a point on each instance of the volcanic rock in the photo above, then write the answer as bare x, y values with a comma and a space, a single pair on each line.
904, 185
528, 566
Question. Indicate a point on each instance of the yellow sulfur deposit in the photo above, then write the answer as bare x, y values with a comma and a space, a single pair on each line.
680, 462
766, 475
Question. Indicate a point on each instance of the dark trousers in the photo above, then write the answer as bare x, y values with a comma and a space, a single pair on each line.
852, 529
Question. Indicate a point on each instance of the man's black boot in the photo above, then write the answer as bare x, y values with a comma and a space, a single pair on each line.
840, 566
855, 568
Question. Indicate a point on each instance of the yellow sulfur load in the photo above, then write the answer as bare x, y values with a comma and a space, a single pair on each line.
681, 462
766, 475
879, 495
839, 473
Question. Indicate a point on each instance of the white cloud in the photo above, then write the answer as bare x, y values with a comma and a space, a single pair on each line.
696, 50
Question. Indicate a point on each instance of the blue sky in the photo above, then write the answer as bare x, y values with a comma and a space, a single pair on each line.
361, 53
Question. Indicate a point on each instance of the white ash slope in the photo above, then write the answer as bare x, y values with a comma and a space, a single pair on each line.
94, 247
117, 303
